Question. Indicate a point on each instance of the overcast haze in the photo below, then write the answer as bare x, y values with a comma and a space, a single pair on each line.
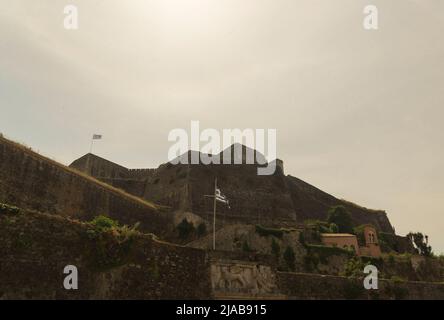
359, 113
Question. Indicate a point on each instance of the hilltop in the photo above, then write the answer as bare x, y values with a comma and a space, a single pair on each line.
275, 200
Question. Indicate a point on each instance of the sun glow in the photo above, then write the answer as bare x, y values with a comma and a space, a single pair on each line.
181, 14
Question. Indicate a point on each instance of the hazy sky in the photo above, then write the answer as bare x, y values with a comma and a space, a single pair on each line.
359, 113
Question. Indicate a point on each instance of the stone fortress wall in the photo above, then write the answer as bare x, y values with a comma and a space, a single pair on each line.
36, 247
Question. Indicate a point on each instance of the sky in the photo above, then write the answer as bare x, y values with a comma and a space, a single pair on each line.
358, 113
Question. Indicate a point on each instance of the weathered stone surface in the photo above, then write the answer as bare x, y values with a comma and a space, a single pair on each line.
29, 180
36, 247
275, 200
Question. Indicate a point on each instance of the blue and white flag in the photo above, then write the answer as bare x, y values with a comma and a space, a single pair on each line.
97, 136
221, 198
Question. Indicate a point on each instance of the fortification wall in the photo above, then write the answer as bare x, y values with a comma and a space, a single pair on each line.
313, 286
29, 180
98, 167
36, 247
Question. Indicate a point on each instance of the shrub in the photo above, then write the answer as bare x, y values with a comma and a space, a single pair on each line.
7, 209
421, 243
103, 223
334, 228
326, 251
391, 258
246, 246
354, 268
289, 257
264, 232
185, 228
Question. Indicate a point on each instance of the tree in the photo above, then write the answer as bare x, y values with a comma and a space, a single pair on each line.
334, 228
340, 216
421, 243
185, 228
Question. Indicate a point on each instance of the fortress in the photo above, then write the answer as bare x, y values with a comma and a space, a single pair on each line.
277, 200
46, 213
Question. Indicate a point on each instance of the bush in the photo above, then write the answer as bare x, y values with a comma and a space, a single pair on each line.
7, 209
103, 223
334, 228
289, 257
354, 268
421, 243
185, 229
319, 227
264, 232
246, 246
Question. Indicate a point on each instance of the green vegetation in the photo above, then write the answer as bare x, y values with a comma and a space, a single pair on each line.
354, 268
289, 258
320, 254
319, 227
421, 243
328, 251
7, 209
112, 242
103, 223
265, 232
246, 246
340, 216
359, 232
185, 229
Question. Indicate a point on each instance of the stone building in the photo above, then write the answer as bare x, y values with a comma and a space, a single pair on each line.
369, 244
371, 247
341, 240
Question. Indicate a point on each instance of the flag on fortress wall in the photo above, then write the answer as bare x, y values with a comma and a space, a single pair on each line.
97, 136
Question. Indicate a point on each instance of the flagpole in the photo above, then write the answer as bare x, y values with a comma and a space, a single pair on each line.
214, 215
91, 147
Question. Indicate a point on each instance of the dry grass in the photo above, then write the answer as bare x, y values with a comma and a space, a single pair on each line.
81, 175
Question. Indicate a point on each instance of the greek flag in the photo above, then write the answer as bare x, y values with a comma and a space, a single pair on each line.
97, 136
221, 198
